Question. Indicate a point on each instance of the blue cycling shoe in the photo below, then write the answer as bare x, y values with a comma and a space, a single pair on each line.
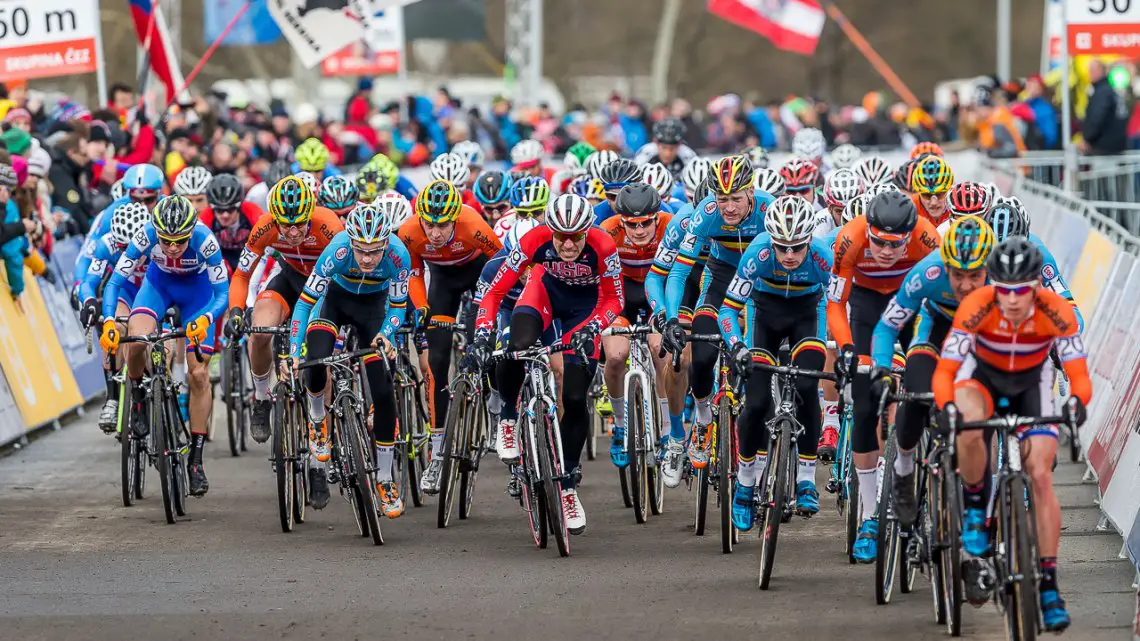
618, 454
184, 405
1053, 612
867, 542
975, 534
743, 507
807, 498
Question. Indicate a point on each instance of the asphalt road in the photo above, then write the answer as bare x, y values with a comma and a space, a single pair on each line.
75, 564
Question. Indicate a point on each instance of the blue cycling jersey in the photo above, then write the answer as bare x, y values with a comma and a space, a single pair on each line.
926, 290
405, 188
106, 256
487, 277
1052, 279
602, 211
667, 255
100, 227
728, 242
337, 263
760, 271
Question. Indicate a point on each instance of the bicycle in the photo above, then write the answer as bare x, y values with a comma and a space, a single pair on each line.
413, 435
642, 425
598, 424
351, 467
236, 393
540, 469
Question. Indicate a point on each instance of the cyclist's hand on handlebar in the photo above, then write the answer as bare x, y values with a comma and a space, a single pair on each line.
847, 362
74, 299
385, 346
477, 355
882, 381
1074, 411
584, 339
422, 316
673, 336
741, 359
657, 322
234, 323
89, 313
948, 419
197, 329
109, 339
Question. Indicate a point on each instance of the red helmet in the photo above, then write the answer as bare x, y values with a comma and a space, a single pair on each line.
968, 198
799, 174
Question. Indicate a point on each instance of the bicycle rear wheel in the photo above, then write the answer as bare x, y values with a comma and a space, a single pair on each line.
933, 532
950, 515
284, 461
726, 472
1020, 593
228, 384
635, 431
161, 432
129, 444
179, 457
551, 470
361, 446
454, 427
533, 496
409, 428
886, 553
656, 480
596, 425
300, 430
475, 442
773, 498
911, 542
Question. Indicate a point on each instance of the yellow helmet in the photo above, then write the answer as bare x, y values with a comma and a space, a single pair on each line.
439, 202
967, 244
291, 202
312, 155
932, 176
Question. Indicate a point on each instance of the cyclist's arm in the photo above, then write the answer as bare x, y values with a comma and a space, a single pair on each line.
902, 307
219, 277
739, 292
405, 187
1071, 352
611, 296
923, 325
417, 288
316, 285
89, 286
839, 289
250, 255
140, 244
1052, 279
508, 274
688, 252
397, 310
490, 269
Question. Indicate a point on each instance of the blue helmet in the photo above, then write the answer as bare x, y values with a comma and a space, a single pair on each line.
492, 187
143, 177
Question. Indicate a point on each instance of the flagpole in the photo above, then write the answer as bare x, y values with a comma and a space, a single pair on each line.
209, 52
144, 73
864, 47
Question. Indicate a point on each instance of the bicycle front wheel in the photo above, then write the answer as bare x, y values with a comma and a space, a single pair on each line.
162, 432
949, 541
229, 391
701, 509
362, 464
725, 427
533, 495
1020, 595
773, 498
635, 432
129, 444
551, 470
284, 460
475, 441
454, 426
886, 553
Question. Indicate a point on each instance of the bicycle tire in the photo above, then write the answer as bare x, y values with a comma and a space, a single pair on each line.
636, 449
361, 461
162, 458
595, 429
300, 429
532, 497
655, 479
623, 479
907, 568
772, 504
933, 532
179, 459
475, 442
551, 469
408, 425
229, 367
449, 477
283, 463
129, 450
1021, 596
726, 472
887, 547
702, 503
342, 458
951, 515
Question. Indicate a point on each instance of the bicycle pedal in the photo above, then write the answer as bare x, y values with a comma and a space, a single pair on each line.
832, 486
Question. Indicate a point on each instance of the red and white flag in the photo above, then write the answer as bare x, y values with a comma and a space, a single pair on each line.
791, 25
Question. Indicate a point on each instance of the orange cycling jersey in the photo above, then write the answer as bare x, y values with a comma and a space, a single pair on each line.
854, 265
922, 213
302, 258
981, 331
635, 260
472, 237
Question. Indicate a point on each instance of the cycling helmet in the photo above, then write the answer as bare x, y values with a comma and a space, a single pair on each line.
992, 190
880, 188
577, 155
659, 177
892, 215
799, 174
932, 176
637, 201
703, 190
369, 182
694, 174
1008, 219
845, 156
519, 229
770, 181
669, 131
225, 192
569, 214
599, 159
620, 173
855, 208
758, 156
730, 174
923, 148
174, 218
840, 187
312, 155
903, 178
526, 153
470, 152
587, 187
790, 220
142, 177
394, 206
367, 224
291, 202
276, 172
309, 180
192, 181
968, 199
492, 187
872, 170
386, 171
439, 202
118, 190
337, 192
809, 143
967, 243
127, 219
452, 168
1015, 260
530, 195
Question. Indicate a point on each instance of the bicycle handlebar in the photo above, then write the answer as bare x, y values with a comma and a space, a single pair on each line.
159, 337
337, 359
792, 370
530, 352
634, 330
1013, 422
454, 326
274, 330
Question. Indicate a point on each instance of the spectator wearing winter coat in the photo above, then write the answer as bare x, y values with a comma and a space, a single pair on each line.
1105, 129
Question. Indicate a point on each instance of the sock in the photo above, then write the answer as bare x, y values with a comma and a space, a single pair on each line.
746, 472
879, 466
975, 495
806, 470
868, 492
618, 403
261, 386
677, 426
138, 394
197, 444
663, 407
1048, 573
112, 389
316, 407
761, 465
704, 410
436, 443
384, 456
904, 463
831, 413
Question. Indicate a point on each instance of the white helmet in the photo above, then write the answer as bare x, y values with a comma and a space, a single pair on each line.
569, 214
993, 190
758, 156
845, 156
878, 188
367, 224
855, 208
769, 181
658, 177
809, 143
126, 220
873, 170
840, 187
118, 190
694, 174
526, 151
790, 220
309, 180
519, 229
599, 159
192, 181
451, 168
471, 152
393, 205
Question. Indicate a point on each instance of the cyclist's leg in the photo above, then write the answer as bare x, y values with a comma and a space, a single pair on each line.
270, 309
320, 339
717, 276
911, 419
150, 304
444, 295
531, 316
974, 396
617, 351
866, 308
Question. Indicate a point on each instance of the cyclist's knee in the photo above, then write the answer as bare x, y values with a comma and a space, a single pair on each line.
198, 375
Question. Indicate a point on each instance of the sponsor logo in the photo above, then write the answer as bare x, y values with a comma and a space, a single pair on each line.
842, 249
340, 253
974, 321
685, 223
402, 274
928, 240
481, 238
569, 271
710, 207
764, 254
1060, 323
1048, 272
933, 272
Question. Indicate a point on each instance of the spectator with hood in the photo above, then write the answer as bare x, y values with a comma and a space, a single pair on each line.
1105, 128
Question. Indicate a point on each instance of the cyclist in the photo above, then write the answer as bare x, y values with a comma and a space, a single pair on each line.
965, 199
526, 157
658, 176
338, 194
801, 177
599, 159
370, 183
312, 156
873, 254
926, 148
229, 216
872, 170
493, 191
931, 291
808, 143
758, 156
845, 156
454, 243
668, 146
931, 181
574, 166
360, 281
996, 360
452, 168
728, 219
783, 272
529, 197
589, 188
298, 230
614, 176
184, 271
259, 193
391, 177
839, 189
693, 176
576, 280
475, 158
191, 183
125, 223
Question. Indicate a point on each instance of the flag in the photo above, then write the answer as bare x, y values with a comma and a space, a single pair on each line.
163, 60
791, 25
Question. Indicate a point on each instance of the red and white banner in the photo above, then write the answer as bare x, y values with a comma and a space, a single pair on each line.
1101, 27
44, 38
791, 25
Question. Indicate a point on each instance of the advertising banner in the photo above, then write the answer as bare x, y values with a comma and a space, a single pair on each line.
87, 368
45, 38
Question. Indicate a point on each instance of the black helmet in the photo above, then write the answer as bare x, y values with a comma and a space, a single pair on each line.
892, 212
669, 131
277, 172
1015, 260
224, 192
619, 173
637, 200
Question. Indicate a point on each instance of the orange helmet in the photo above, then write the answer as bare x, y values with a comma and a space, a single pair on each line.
925, 148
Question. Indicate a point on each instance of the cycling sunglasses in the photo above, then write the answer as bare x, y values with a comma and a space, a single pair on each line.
1014, 289
173, 242
644, 223
146, 196
886, 242
227, 210
497, 210
368, 253
789, 249
560, 238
